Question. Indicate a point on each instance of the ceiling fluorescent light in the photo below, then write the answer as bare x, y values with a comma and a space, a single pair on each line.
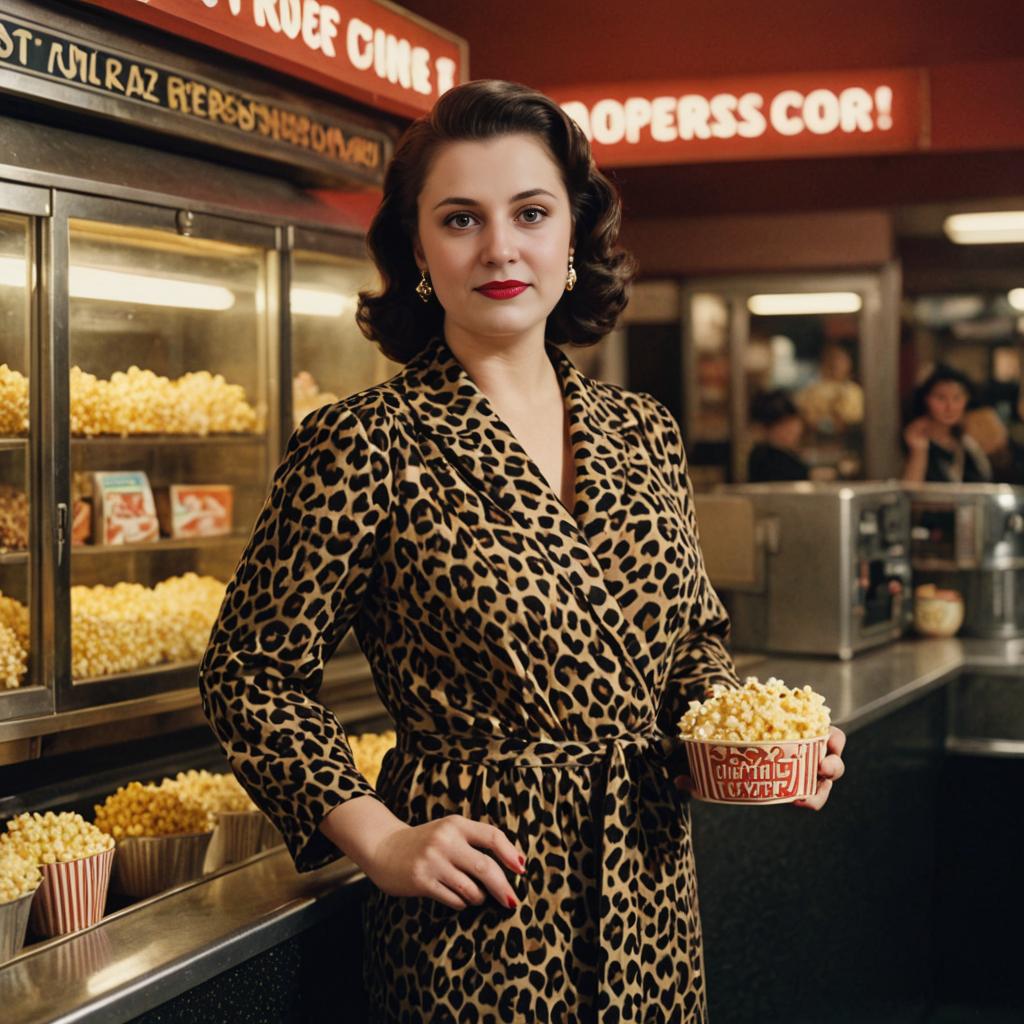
143, 290
804, 303
13, 272
314, 302
137, 289
1016, 297
996, 227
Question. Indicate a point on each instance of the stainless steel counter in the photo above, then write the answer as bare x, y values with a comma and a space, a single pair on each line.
143, 956
879, 682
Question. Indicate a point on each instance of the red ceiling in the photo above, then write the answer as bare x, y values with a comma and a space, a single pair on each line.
545, 44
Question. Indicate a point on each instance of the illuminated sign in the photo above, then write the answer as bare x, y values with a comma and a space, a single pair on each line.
75, 73
805, 114
367, 49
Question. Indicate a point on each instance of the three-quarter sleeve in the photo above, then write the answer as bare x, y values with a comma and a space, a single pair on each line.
699, 656
297, 589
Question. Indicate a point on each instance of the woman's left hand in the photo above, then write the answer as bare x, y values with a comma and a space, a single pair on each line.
829, 771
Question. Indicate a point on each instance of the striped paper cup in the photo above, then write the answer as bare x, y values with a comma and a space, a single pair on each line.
147, 865
13, 924
72, 895
762, 772
238, 835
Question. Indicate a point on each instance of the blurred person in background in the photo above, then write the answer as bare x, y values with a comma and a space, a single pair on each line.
939, 450
776, 458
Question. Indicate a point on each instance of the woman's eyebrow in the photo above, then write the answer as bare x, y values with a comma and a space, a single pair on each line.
463, 201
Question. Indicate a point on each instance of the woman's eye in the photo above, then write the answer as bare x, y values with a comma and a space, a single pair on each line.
540, 214
463, 219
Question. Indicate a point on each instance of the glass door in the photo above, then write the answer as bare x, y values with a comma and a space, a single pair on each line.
25, 676
168, 430
801, 368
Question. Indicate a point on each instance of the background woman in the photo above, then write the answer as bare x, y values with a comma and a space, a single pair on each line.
939, 449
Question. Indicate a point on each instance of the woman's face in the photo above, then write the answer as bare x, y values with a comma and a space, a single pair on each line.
495, 210
946, 403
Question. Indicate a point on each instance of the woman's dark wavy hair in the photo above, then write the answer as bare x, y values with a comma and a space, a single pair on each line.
395, 317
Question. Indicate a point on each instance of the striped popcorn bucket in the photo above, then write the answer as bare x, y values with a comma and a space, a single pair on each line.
72, 895
13, 923
147, 865
271, 837
238, 835
762, 772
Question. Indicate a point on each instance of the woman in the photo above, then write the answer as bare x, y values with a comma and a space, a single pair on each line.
938, 448
514, 546
776, 457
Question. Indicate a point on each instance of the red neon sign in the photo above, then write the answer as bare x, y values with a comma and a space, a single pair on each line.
805, 114
370, 50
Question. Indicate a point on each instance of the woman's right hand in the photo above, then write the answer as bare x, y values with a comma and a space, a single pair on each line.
447, 860
917, 434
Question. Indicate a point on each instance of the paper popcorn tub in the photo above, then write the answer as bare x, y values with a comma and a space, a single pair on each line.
755, 772
72, 895
238, 835
13, 925
147, 865
271, 837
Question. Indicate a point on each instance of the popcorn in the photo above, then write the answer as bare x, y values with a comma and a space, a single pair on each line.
756, 712
13, 402
138, 401
368, 749
148, 810
19, 875
53, 838
128, 626
211, 792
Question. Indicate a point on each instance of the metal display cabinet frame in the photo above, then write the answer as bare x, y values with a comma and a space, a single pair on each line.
37, 698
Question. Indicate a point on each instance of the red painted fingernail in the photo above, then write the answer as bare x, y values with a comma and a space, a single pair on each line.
522, 861
511, 903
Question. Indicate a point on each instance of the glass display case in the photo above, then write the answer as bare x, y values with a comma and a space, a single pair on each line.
330, 357
169, 355
153, 363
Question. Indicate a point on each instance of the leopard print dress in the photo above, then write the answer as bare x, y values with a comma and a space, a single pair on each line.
535, 662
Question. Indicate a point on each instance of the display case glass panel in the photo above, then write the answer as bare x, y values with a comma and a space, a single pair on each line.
17, 670
813, 360
170, 392
331, 358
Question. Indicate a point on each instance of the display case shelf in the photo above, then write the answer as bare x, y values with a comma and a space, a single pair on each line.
172, 439
13, 443
147, 672
13, 557
164, 544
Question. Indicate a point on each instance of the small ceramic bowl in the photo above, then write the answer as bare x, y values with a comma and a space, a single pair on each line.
762, 772
938, 613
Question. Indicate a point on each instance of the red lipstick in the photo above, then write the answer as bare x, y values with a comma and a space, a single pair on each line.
502, 289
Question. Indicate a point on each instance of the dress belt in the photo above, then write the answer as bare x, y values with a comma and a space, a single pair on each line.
620, 995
